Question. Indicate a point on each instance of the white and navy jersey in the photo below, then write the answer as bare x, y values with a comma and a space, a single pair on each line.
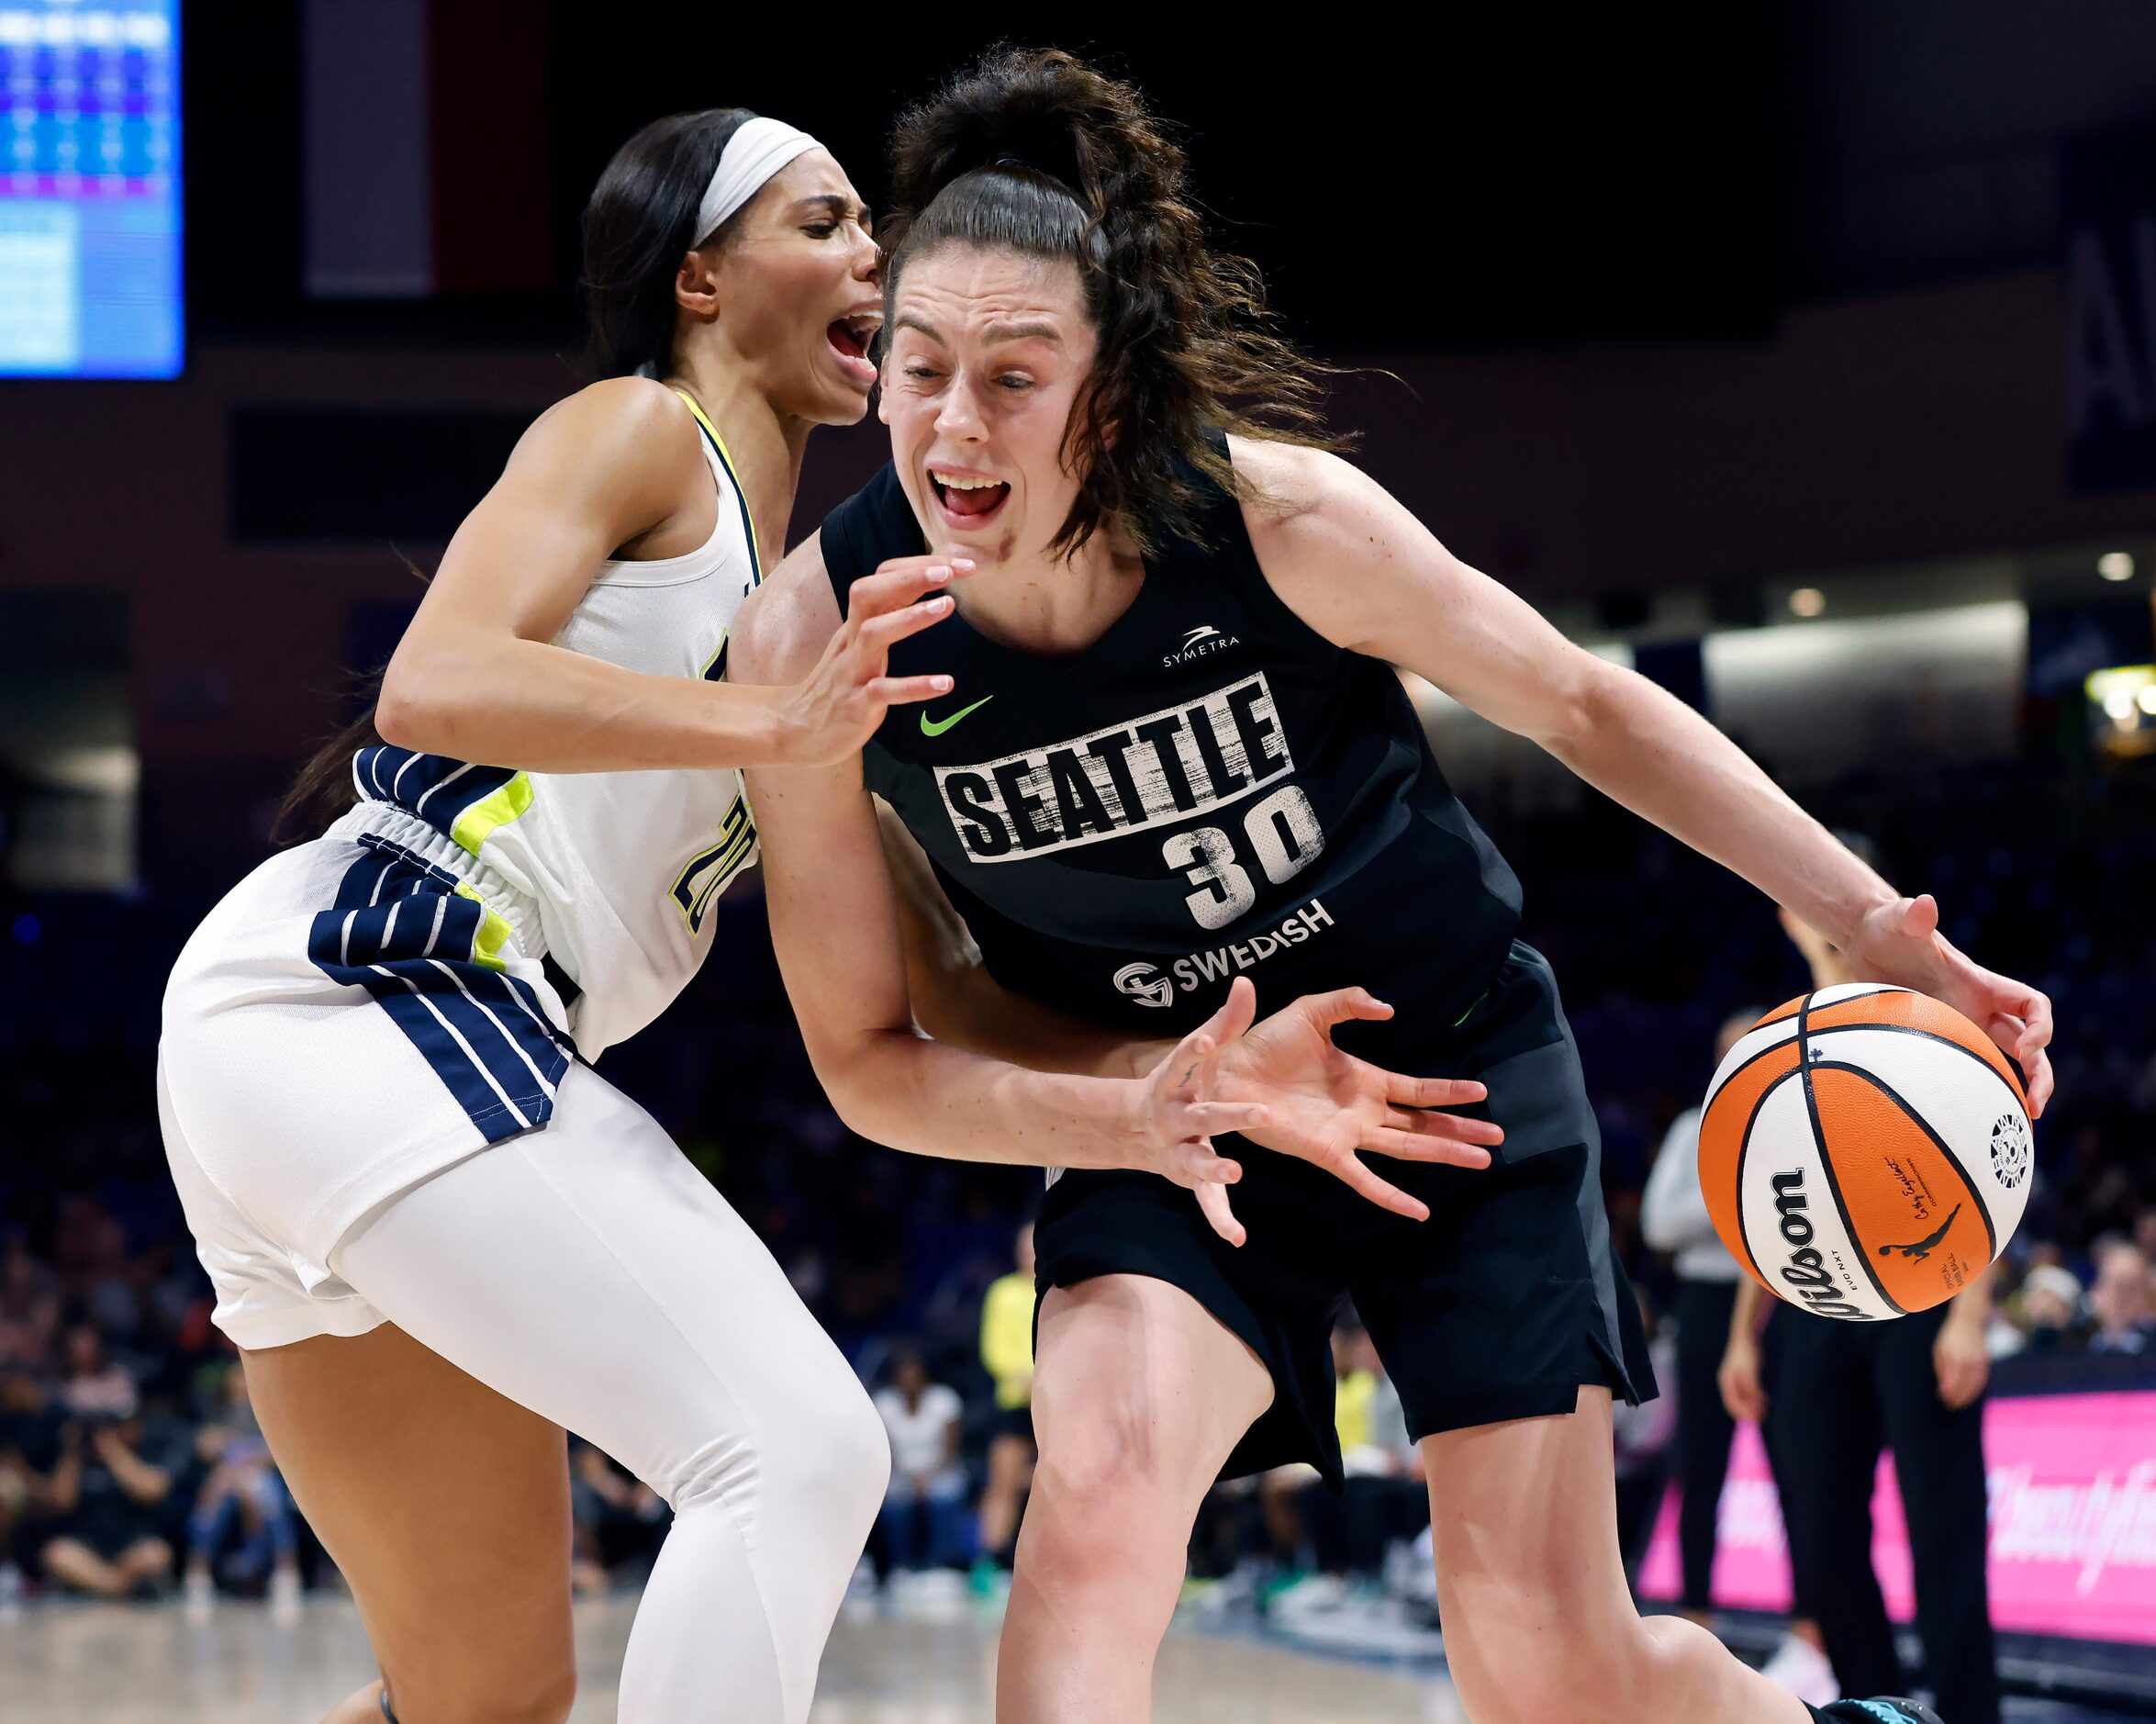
621, 868
1211, 790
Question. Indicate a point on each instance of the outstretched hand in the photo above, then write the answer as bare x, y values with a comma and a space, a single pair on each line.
1323, 1105
834, 710
1900, 943
1182, 1110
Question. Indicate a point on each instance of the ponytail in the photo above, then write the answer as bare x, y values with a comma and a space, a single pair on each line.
324, 790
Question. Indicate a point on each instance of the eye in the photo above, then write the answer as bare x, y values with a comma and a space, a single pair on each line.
919, 372
1014, 383
821, 229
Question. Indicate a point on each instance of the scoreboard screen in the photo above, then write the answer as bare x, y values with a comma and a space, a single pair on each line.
90, 218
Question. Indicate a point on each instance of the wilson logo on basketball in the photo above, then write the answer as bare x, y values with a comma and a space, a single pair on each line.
1806, 1270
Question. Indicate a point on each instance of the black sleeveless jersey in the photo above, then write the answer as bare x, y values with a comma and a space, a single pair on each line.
1211, 790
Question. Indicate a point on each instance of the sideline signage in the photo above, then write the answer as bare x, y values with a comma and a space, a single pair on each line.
2072, 1491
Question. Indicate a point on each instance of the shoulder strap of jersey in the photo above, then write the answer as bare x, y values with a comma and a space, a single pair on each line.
1227, 555
870, 527
740, 497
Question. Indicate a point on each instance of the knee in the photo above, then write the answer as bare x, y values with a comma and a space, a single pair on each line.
1093, 1509
836, 1455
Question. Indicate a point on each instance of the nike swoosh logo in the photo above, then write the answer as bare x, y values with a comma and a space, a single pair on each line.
936, 727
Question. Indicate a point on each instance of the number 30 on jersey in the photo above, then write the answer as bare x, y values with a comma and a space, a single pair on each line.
1283, 837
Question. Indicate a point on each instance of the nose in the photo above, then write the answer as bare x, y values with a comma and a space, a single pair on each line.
867, 261
957, 412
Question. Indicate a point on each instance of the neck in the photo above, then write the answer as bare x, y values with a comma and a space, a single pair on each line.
766, 445
1038, 606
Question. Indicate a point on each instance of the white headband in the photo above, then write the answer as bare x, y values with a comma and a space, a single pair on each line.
757, 149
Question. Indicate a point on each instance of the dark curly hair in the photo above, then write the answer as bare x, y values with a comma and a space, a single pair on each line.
1036, 152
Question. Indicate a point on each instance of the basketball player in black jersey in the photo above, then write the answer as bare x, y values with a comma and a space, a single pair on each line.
1175, 756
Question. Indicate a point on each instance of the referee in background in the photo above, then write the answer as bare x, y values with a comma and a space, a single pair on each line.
1843, 1391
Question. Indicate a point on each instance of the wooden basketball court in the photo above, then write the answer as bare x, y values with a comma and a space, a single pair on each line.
79, 1664
66, 1663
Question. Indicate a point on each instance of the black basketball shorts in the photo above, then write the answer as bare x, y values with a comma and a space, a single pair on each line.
1500, 1305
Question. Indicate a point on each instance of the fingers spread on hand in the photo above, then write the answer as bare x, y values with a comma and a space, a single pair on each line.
902, 580
1432, 1091
877, 633
1343, 1003
1208, 1117
2023, 1031
1238, 1012
2041, 1083
1382, 1192
1413, 1146
902, 691
2036, 1023
1188, 1067
1429, 1123
1213, 1202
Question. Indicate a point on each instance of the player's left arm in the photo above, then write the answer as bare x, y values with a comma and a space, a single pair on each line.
1350, 560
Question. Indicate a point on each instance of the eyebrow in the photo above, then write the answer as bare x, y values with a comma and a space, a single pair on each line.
1037, 330
832, 201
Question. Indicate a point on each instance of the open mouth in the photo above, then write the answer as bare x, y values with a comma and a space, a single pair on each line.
965, 498
851, 338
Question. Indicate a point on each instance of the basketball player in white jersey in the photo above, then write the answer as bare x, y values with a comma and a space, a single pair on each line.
437, 1236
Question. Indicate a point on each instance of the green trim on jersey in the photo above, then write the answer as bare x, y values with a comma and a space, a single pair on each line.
741, 496
483, 818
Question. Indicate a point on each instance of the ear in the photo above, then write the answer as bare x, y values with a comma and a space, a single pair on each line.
696, 284
883, 393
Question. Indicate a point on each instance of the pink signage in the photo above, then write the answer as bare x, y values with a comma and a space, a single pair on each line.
2072, 1522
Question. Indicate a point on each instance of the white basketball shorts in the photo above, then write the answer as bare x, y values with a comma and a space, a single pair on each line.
358, 1013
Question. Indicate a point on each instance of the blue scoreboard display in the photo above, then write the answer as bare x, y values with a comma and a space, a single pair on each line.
90, 283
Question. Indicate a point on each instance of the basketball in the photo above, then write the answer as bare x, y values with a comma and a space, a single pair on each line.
1865, 1151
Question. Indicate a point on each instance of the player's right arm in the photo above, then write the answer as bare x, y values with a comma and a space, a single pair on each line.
835, 926
477, 676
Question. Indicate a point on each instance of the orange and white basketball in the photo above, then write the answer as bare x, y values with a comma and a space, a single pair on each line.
1865, 1151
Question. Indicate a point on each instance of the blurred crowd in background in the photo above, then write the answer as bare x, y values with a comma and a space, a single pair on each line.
132, 1466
